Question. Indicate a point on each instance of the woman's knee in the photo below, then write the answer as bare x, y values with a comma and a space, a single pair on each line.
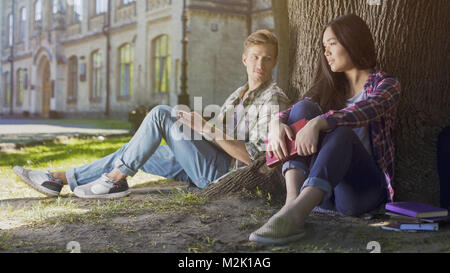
305, 108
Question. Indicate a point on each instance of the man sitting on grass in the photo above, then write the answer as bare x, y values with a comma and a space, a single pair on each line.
185, 158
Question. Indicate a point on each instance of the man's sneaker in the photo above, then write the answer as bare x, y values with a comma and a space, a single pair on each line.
103, 188
43, 182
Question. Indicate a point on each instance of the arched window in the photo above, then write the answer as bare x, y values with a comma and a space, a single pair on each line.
72, 83
22, 26
20, 86
126, 71
96, 75
161, 64
38, 10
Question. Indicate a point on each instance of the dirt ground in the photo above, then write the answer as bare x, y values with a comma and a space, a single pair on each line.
175, 221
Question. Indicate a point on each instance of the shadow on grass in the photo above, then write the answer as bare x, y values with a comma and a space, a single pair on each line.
59, 151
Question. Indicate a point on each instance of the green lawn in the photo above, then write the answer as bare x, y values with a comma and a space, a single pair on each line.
100, 124
53, 156
23, 211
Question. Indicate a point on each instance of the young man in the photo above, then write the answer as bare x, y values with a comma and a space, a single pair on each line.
184, 158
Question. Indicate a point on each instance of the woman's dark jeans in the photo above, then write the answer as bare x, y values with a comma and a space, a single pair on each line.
343, 169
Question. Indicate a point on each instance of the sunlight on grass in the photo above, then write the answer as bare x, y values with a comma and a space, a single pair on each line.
21, 205
62, 210
100, 124
58, 209
58, 157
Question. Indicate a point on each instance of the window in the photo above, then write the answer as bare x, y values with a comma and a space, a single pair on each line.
97, 76
55, 6
23, 18
7, 88
77, 11
126, 2
10, 29
20, 86
126, 71
101, 6
161, 64
72, 83
38, 10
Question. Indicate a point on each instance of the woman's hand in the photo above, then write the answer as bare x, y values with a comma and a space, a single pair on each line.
307, 138
277, 139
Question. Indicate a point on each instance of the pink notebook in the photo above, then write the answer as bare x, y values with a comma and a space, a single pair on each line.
274, 161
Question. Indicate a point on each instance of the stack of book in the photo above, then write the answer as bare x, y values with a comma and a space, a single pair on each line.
414, 216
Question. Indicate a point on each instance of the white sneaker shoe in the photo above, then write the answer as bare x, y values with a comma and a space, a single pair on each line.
103, 188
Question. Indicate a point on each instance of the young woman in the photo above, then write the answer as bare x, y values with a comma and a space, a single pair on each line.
345, 151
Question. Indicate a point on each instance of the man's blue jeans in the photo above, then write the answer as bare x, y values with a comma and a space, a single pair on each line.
343, 169
183, 158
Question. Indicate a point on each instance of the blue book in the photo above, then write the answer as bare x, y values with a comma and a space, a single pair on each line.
411, 226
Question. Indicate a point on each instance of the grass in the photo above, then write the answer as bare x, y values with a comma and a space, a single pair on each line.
57, 157
100, 124
53, 156
24, 206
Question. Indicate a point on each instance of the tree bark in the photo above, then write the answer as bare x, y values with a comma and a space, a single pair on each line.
411, 37
247, 180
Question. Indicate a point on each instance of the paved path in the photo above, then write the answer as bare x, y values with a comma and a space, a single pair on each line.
19, 131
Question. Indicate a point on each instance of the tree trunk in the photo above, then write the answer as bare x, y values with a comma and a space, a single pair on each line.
247, 180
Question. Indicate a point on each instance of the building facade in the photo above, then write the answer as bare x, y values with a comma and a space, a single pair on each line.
88, 58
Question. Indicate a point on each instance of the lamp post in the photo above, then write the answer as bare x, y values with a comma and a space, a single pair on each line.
106, 32
11, 59
183, 97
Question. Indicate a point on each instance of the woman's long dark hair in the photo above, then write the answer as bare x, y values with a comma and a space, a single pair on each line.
331, 89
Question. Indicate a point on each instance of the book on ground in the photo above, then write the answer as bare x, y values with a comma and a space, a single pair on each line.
290, 145
416, 209
394, 227
399, 226
404, 218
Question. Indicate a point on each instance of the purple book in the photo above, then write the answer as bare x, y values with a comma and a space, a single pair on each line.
416, 209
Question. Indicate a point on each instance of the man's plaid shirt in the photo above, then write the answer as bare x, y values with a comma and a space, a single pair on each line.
378, 111
259, 107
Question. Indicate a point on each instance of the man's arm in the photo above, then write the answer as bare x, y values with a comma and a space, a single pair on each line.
234, 148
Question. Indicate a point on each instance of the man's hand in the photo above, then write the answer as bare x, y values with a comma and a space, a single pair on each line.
196, 122
276, 144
